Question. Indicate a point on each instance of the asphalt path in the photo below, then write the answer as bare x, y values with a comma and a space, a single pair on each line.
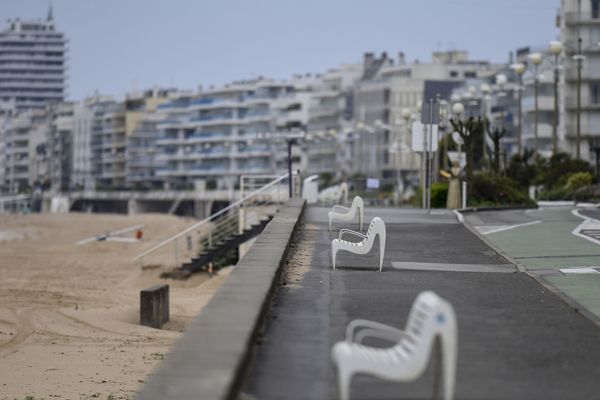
516, 339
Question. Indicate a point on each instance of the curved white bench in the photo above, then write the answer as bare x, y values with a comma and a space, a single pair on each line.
376, 227
346, 214
430, 317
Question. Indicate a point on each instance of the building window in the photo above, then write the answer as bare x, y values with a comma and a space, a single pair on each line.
595, 9
595, 93
453, 74
470, 74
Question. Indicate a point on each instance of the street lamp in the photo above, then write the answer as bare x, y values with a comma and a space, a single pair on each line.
536, 59
520, 69
458, 109
556, 49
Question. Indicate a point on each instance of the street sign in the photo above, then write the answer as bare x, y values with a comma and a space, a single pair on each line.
430, 112
372, 183
418, 130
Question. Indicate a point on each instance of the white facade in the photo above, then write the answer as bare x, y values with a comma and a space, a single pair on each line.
87, 129
25, 161
330, 113
580, 19
215, 136
545, 109
32, 63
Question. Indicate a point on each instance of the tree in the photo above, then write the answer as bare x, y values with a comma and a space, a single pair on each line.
496, 134
469, 131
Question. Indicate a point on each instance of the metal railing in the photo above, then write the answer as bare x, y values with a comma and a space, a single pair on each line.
260, 198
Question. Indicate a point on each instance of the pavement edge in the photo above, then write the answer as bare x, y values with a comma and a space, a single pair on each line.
209, 360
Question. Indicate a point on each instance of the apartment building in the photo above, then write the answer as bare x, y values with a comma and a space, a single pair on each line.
545, 101
580, 33
91, 139
25, 160
59, 146
330, 113
387, 93
33, 63
142, 133
209, 138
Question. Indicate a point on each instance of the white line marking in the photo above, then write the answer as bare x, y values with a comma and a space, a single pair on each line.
505, 228
580, 270
588, 223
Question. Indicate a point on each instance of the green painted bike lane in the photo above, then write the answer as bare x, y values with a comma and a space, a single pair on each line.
551, 245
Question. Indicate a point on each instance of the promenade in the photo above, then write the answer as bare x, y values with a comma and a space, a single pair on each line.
517, 340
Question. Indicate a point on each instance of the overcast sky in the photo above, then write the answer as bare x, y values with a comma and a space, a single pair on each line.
116, 45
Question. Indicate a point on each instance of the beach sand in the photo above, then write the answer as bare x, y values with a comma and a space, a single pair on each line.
69, 315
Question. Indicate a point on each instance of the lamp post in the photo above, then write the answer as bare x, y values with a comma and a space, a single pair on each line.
520, 69
485, 92
556, 49
458, 109
579, 58
536, 60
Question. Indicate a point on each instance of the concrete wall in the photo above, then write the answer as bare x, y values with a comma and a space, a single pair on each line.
209, 360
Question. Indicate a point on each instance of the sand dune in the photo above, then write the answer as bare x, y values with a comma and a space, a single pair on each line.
69, 314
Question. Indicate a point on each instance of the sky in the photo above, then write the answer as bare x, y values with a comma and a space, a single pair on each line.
116, 46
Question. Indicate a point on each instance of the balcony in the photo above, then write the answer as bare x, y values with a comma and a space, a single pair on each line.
586, 74
213, 103
571, 104
545, 103
25, 84
581, 18
23, 66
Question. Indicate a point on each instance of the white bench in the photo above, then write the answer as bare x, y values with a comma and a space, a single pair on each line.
430, 318
346, 214
376, 227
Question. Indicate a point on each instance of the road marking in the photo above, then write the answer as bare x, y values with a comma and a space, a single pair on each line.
422, 266
580, 270
589, 229
503, 228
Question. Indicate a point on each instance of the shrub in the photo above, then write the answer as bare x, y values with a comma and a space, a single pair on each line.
556, 171
439, 194
578, 180
490, 190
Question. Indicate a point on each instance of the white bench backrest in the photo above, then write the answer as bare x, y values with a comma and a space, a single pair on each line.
429, 316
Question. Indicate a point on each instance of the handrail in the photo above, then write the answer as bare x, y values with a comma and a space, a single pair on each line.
209, 218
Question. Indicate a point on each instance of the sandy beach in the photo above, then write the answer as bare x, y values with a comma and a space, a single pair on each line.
69, 315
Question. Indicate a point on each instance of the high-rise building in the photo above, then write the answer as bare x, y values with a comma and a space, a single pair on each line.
580, 33
32, 63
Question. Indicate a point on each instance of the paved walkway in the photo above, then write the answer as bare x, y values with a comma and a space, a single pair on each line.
516, 340
549, 248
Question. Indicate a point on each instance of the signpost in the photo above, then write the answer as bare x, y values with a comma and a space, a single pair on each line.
425, 141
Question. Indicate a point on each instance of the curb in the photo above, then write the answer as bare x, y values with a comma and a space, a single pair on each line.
476, 209
209, 360
520, 267
571, 302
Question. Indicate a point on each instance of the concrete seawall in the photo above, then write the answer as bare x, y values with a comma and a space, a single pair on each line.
209, 359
